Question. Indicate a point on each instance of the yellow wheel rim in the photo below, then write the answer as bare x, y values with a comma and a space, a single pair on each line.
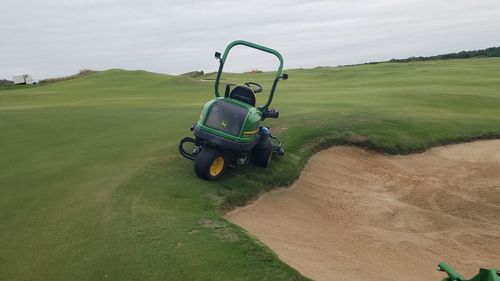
217, 166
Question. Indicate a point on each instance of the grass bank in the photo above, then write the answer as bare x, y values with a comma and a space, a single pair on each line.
92, 186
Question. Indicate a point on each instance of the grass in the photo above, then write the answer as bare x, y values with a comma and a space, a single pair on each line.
92, 186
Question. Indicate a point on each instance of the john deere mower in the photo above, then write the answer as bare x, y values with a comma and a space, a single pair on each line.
229, 131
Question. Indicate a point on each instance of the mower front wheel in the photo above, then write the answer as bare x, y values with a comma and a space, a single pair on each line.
210, 163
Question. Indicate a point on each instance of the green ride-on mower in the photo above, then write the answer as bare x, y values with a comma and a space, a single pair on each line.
229, 131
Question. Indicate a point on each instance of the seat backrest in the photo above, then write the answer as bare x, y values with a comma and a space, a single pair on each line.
244, 94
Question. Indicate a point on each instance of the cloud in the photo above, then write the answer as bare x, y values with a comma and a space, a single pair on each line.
56, 37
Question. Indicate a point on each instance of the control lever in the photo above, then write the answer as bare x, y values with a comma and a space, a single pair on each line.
270, 113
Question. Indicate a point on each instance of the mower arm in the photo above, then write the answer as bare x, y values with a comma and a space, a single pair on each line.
277, 76
452, 275
254, 46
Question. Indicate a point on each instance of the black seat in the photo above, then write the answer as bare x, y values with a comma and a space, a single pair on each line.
244, 94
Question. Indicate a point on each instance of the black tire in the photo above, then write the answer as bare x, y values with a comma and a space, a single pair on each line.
262, 156
207, 163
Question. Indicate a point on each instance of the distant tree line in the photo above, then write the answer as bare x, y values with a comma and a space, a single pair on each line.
5, 82
485, 53
489, 52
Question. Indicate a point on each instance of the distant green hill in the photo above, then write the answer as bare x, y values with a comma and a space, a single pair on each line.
81, 73
193, 74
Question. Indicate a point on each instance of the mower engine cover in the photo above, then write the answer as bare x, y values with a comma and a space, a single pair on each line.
229, 119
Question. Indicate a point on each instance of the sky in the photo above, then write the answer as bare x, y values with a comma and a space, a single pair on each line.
53, 38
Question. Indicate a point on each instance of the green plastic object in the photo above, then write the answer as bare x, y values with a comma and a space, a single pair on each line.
483, 275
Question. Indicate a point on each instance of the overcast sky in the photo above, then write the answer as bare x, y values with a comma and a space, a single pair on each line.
58, 37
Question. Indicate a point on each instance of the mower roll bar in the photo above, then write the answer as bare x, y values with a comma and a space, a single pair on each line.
277, 76
451, 273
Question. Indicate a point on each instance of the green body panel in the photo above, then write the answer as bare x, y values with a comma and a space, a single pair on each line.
487, 275
483, 275
250, 124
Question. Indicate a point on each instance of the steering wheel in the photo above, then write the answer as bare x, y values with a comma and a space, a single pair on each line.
257, 88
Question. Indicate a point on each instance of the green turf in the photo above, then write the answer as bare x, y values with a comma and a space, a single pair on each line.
92, 186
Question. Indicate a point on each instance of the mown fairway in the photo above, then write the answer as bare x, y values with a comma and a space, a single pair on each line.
92, 186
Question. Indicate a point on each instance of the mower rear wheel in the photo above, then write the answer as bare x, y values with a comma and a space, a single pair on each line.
210, 163
262, 156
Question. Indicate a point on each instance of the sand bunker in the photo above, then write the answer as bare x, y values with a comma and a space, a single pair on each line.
359, 215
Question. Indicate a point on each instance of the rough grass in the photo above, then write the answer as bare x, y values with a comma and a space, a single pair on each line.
81, 73
92, 186
9, 85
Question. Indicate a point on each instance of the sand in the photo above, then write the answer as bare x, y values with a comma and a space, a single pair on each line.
359, 215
